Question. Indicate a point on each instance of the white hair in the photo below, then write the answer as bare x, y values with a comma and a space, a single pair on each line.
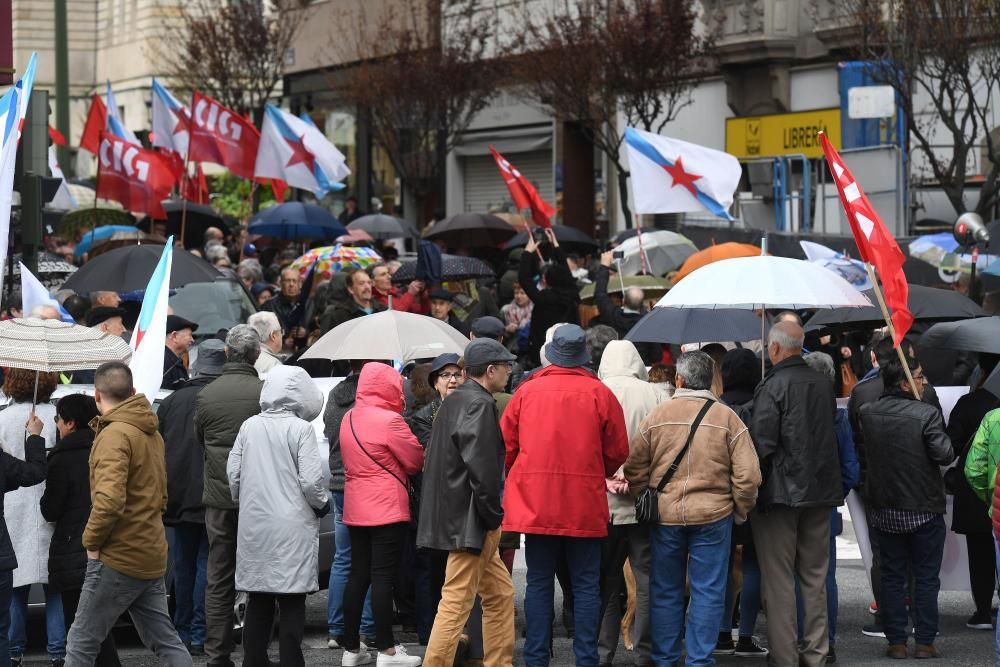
785, 339
45, 312
265, 323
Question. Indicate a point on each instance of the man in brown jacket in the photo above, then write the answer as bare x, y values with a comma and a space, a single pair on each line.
125, 540
715, 482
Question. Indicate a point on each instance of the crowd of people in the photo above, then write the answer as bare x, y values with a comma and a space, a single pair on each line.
674, 492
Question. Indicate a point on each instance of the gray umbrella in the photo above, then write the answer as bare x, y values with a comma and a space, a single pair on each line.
390, 334
978, 335
695, 325
382, 227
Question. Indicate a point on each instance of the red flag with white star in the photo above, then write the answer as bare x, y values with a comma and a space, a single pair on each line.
876, 245
523, 192
222, 136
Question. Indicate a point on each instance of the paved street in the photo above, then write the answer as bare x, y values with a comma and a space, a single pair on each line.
958, 645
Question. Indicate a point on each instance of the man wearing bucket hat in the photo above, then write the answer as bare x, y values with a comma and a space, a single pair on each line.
565, 435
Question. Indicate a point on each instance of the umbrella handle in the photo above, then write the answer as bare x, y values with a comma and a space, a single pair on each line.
34, 400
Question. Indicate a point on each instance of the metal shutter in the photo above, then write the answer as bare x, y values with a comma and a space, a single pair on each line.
485, 189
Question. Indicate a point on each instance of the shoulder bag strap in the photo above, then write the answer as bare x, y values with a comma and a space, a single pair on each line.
677, 461
350, 420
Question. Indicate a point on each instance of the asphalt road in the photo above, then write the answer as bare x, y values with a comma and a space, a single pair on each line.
959, 646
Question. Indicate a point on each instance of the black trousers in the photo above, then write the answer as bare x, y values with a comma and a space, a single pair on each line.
260, 620
376, 552
982, 569
108, 655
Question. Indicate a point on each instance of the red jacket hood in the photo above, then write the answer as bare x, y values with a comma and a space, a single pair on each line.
380, 386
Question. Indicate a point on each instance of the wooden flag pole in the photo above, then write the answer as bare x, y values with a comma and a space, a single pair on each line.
892, 330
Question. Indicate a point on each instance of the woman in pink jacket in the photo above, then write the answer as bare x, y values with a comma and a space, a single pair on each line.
380, 453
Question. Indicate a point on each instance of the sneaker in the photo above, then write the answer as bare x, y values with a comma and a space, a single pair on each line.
352, 658
749, 647
873, 630
332, 642
979, 621
873, 607
16, 662
725, 645
831, 656
400, 658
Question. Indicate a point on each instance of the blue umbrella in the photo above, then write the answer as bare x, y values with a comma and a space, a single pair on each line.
295, 221
101, 234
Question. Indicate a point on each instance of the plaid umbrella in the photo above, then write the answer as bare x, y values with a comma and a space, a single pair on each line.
48, 346
329, 259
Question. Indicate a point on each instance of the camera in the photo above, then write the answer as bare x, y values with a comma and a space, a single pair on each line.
539, 234
618, 255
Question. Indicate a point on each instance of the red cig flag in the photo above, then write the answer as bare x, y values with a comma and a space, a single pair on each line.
523, 192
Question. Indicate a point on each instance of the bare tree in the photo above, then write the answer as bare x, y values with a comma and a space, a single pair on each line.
424, 73
589, 60
942, 57
232, 51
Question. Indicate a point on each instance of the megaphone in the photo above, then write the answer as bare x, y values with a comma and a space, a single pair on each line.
970, 230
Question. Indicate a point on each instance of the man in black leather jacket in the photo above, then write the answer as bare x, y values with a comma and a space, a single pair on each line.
460, 510
793, 430
906, 445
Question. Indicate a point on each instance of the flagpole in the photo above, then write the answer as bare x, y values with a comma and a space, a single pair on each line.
642, 249
892, 330
184, 205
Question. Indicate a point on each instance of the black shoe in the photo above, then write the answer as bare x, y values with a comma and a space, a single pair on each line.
748, 647
16, 662
196, 650
58, 662
873, 630
725, 645
979, 621
831, 656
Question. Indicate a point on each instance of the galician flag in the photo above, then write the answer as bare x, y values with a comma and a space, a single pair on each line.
150, 335
113, 122
295, 151
170, 121
674, 176
34, 294
13, 107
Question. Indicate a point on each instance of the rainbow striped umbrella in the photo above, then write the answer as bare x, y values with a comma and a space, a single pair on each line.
328, 260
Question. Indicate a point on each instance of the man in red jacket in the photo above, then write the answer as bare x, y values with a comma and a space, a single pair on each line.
565, 434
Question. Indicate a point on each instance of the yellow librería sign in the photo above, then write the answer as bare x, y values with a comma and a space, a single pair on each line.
782, 134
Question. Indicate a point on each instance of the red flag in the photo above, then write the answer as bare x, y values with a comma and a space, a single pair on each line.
523, 192
173, 160
57, 137
279, 188
195, 189
137, 178
96, 121
875, 243
222, 136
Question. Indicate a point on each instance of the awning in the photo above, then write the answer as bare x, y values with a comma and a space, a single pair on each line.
520, 140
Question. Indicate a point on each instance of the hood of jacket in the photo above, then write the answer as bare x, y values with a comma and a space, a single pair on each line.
345, 392
290, 389
621, 359
380, 386
134, 411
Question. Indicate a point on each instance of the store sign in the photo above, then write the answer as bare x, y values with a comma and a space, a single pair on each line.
752, 137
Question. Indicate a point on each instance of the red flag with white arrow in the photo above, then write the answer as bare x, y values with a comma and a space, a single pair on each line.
523, 192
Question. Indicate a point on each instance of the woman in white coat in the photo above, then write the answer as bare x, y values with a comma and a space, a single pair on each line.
29, 532
276, 475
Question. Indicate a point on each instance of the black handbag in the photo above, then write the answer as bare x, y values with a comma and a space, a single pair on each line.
647, 508
411, 493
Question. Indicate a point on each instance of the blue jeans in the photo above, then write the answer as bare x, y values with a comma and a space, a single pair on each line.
919, 552
189, 552
339, 573
702, 552
55, 624
832, 596
583, 555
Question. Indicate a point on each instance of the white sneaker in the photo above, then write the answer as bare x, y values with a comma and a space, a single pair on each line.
400, 658
351, 659
333, 644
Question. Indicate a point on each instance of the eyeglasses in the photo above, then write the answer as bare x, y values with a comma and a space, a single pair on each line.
504, 364
449, 376
56, 419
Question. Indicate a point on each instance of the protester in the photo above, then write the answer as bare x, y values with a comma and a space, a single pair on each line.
106, 299
66, 503
564, 431
106, 320
268, 329
440, 304
30, 532
221, 409
376, 507
185, 514
622, 318
599, 337
517, 319
359, 303
339, 402
288, 305
905, 445
180, 338
77, 306
461, 509
663, 376
124, 537
793, 420
558, 299
276, 477
411, 300
716, 483
262, 293
623, 372
445, 376
351, 211
968, 517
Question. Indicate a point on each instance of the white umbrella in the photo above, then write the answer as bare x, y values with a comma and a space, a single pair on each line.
664, 252
763, 282
389, 335
48, 346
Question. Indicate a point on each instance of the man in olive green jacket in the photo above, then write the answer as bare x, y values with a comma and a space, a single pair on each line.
222, 407
125, 540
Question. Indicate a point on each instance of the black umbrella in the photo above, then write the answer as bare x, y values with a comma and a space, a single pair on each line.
470, 230
198, 218
566, 235
453, 267
128, 269
927, 304
295, 221
979, 335
382, 227
695, 325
